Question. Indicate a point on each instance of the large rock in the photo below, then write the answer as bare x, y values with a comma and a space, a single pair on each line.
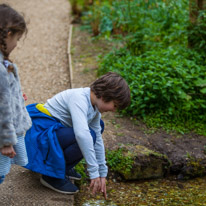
144, 163
191, 168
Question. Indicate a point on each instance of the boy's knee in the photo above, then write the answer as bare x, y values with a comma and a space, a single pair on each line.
2, 179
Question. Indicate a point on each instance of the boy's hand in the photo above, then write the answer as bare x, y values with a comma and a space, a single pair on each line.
99, 185
95, 185
103, 187
8, 151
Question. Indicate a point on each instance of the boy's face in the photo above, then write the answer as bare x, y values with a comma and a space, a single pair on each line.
105, 106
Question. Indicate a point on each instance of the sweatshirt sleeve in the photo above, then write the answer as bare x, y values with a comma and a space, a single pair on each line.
78, 110
7, 130
99, 146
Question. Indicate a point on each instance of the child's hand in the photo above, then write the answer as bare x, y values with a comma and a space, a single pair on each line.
95, 185
25, 97
8, 151
99, 185
103, 187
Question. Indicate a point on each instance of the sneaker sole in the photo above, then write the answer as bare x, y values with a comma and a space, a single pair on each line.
43, 182
73, 178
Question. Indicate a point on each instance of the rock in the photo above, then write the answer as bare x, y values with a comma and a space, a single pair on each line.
193, 168
187, 167
144, 163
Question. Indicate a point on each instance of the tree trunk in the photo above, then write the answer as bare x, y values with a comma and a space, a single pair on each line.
195, 7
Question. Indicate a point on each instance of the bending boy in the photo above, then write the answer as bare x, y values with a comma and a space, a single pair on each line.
69, 127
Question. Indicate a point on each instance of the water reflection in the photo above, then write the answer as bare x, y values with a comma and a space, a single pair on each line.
98, 203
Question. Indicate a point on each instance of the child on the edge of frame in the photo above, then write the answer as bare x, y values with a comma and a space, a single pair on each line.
14, 118
69, 127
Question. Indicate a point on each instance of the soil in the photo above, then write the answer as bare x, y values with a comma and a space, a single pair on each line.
123, 130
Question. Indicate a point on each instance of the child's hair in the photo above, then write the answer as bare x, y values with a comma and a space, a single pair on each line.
10, 21
112, 87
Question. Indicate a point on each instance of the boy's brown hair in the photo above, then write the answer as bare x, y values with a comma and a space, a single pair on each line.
112, 87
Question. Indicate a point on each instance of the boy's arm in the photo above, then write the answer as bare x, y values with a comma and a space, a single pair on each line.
7, 130
100, 155
78, 110
99, 146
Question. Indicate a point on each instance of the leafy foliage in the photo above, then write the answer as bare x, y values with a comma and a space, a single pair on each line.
115, 160
171, 80
166, 78
119, 162
80, 168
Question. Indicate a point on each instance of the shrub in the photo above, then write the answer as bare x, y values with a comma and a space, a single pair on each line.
166, 78
170, 81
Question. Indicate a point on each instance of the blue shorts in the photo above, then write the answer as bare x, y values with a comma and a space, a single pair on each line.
20, 158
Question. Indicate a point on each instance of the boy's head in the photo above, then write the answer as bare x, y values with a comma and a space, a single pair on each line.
11, 23
112, 87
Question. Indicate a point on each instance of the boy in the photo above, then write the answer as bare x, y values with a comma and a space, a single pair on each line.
68, 127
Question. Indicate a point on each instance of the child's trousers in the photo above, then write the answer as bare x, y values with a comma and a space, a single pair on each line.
68, 143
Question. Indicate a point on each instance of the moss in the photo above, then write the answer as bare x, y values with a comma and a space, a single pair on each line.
80, 168
120, 160
145, 151
195, 168
133, 162
137, 162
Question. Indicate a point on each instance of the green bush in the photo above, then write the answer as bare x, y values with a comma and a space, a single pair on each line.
166, 78
170, 81
145, 24
154, 18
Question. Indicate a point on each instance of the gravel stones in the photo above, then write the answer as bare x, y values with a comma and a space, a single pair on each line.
43, 66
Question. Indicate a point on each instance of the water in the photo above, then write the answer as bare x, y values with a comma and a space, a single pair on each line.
98, 203
161, 192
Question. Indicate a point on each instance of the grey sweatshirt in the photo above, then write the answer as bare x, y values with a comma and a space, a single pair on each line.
74, 109
14, 118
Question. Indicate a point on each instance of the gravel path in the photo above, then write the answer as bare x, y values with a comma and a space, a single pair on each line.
43, 64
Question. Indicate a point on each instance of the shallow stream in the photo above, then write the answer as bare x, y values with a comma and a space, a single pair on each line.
162, 192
